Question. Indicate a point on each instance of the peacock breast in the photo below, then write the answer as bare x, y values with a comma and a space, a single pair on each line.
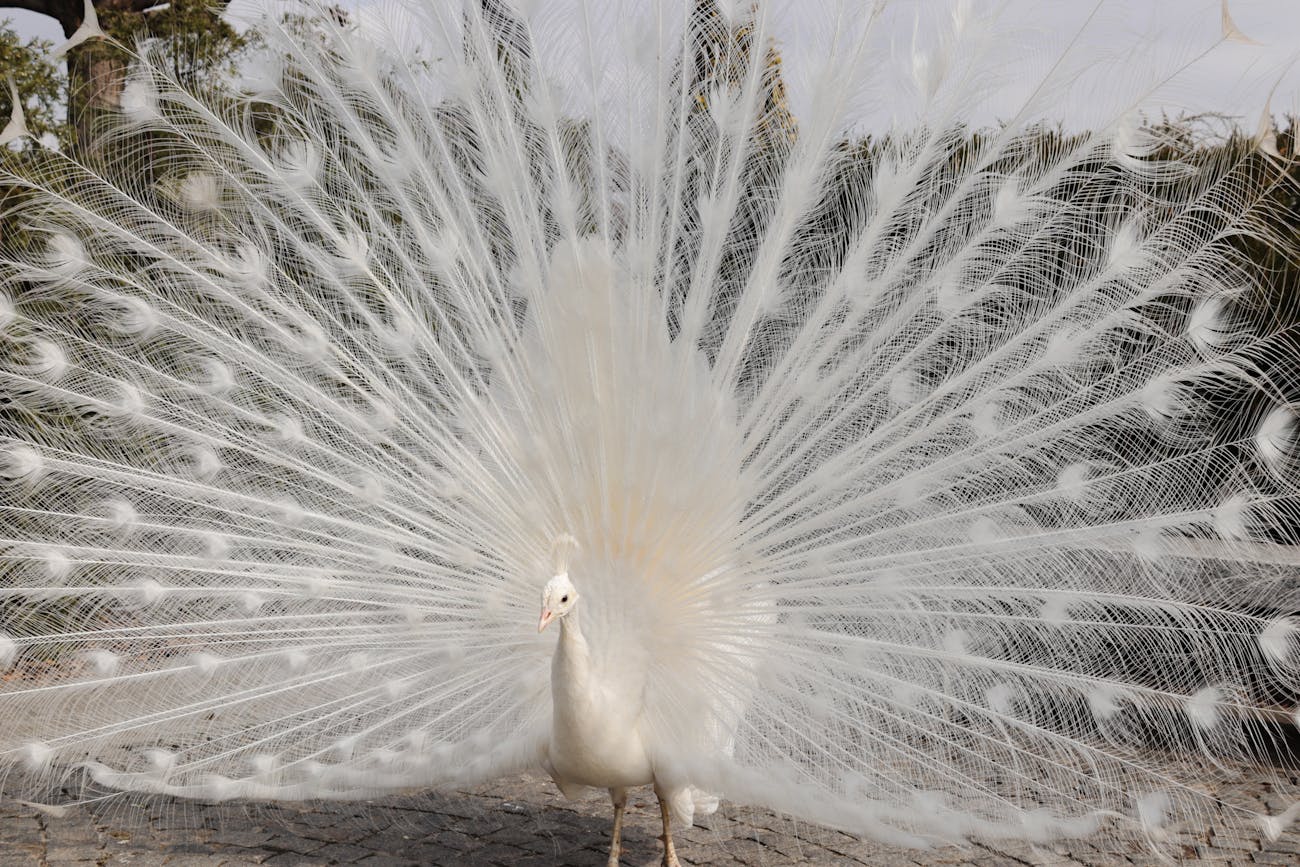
596, 737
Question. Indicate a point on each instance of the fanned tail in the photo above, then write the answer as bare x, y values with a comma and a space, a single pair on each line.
937, 484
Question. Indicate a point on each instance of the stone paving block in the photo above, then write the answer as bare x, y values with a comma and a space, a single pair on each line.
481, 828
498, 853
179, 822
246, 856
343, 853
14, 821
535, 861
62, 851
522, 821
455, 841
293, 843
142, 858
386, 861
293, 859
1290, 843
890, 860
517, 836
1233, 842
462, 812
76, 833
539, 844
236, 836
430, 854
180, 847
746, 849
339, 834
313, 819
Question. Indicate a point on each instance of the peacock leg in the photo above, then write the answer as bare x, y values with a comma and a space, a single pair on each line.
670, 854
619, 797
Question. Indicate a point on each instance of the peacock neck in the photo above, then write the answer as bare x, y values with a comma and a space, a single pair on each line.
571, 637
571, 666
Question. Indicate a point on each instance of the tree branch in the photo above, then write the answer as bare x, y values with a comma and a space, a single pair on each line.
66, 12
43, 7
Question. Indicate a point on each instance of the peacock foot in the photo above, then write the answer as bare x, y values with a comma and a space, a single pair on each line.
670, 854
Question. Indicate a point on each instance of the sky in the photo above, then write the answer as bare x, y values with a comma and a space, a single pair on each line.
1231, 79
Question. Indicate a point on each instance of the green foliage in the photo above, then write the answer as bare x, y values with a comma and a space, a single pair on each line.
41, 86
200, 44
40, 83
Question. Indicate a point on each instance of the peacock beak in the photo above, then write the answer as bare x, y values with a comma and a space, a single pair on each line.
547, 616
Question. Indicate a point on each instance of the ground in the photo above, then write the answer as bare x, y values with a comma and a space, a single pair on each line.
523, 821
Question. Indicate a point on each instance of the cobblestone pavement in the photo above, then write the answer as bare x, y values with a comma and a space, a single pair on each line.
522, 821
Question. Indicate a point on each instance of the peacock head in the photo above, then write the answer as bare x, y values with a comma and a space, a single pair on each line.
559, 596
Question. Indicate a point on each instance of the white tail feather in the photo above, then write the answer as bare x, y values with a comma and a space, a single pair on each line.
932, 482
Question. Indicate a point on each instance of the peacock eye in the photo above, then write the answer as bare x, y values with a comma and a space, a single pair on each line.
564, 598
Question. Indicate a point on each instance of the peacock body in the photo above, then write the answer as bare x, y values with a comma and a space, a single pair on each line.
931, 485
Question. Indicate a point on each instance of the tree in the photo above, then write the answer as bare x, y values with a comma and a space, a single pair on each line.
198, 40
40, 84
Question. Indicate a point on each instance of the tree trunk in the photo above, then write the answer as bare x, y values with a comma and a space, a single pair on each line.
95, 80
